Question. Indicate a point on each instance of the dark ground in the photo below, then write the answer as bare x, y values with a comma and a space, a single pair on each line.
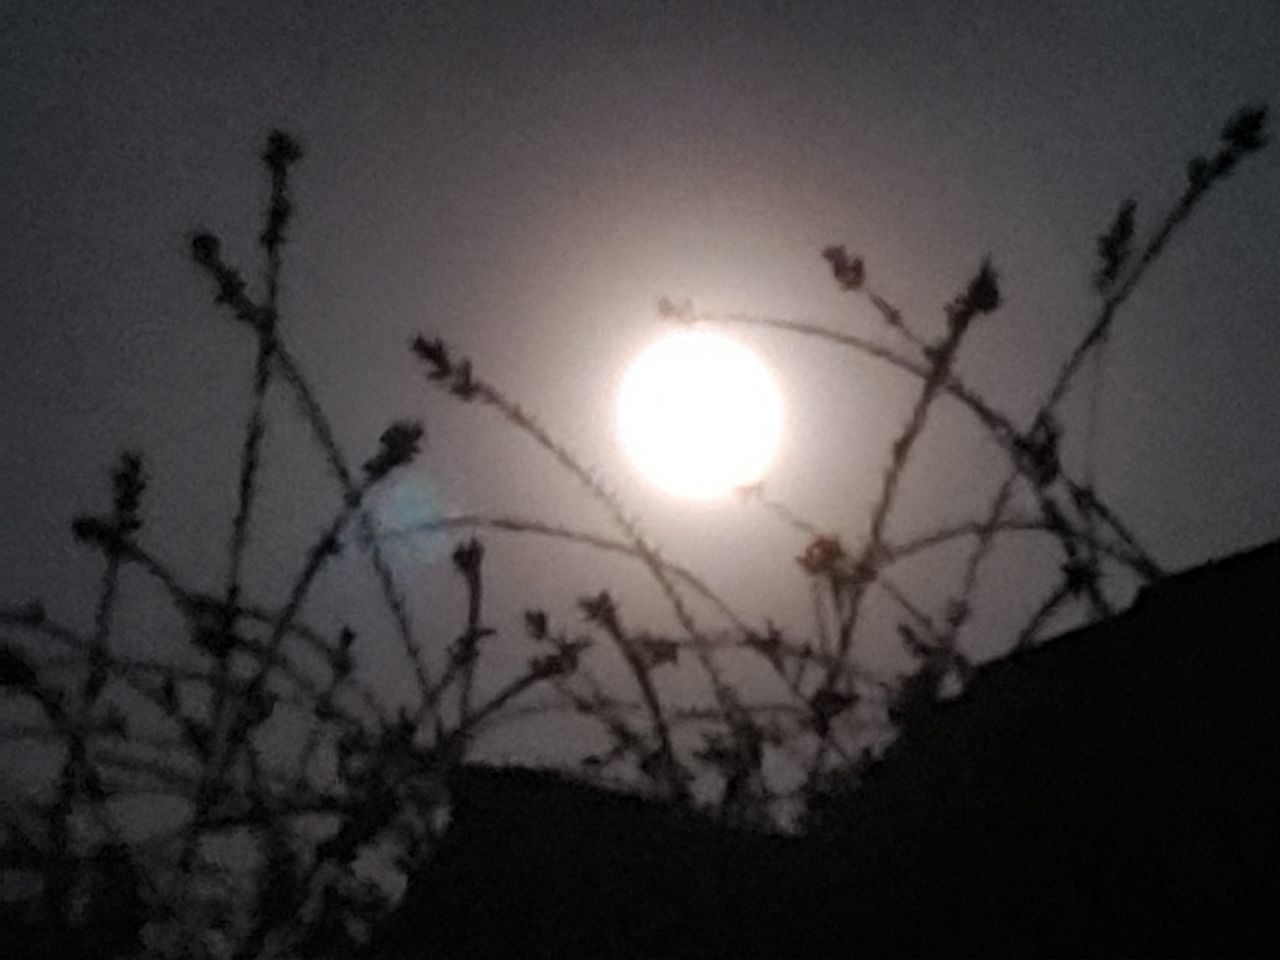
1112, 792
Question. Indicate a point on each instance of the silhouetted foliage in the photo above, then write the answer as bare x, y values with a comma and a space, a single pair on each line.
191, 727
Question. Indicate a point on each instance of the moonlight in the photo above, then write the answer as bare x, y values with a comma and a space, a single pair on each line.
699, 414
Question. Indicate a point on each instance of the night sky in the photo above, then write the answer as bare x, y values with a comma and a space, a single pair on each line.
525, 180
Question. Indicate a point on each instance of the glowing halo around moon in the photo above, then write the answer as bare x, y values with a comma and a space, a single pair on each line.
699, 414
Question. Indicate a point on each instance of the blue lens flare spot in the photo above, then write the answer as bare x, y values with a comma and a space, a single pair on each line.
403, 513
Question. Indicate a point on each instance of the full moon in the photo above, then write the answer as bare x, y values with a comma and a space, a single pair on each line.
699, 414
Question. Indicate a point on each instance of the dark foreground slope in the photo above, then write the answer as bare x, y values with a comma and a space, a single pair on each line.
538, 865
1115, 791
1112, 792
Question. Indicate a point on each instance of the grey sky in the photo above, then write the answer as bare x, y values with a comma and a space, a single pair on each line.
526, 179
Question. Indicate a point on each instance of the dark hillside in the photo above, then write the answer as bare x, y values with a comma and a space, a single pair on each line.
1112, 791
538, 865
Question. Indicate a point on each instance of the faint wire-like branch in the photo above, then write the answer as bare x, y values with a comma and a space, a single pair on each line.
825, 553
744, 637
199, 610
1001, 426
582, 537
399, 444
1047, 608
79, 778
206, 250
458, 378
850, 274
756, 494
981, 297
392, 597
440, 369
280, 154
128, 485
662, 766
905, 549
467, 560
1243, 135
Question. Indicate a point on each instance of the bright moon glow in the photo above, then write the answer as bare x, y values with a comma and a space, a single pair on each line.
699, 414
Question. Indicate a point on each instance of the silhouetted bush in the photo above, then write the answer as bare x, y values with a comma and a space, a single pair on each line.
370, 778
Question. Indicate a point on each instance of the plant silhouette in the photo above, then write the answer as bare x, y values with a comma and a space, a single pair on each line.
193, 727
